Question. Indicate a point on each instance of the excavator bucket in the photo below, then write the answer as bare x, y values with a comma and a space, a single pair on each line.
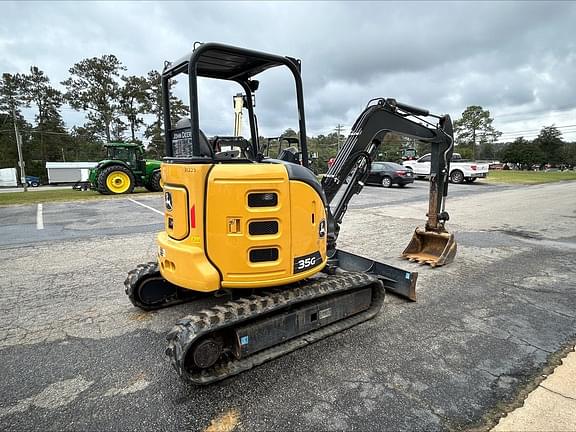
430, 247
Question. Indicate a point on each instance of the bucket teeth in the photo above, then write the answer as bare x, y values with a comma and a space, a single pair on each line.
431, 248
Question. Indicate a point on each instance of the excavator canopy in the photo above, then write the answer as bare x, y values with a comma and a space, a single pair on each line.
219, 61
225, 62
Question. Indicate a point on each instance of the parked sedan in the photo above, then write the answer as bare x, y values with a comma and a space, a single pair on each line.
390, 173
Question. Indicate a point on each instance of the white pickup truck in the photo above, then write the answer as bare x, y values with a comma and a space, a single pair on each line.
460, 170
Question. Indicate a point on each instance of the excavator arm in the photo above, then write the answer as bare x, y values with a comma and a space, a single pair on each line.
346, 177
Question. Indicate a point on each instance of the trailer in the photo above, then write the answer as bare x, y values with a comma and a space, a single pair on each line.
68, 172
8, 177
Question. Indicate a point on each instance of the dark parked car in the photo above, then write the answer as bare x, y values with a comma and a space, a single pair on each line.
32, 181
389, 173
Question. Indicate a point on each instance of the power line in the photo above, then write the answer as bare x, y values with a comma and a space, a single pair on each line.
527, 137
533, 134
534, 111
536, 130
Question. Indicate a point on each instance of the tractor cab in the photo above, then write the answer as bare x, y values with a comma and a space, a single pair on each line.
408, 153
131, 154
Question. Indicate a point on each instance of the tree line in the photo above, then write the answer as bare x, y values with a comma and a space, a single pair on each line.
477, 138
118, 107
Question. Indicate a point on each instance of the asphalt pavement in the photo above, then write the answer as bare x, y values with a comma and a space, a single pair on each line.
76, 355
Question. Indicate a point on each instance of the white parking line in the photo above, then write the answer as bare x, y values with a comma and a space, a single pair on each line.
39, 218
148, 207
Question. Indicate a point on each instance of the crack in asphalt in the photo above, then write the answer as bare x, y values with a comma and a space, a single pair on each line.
555, 392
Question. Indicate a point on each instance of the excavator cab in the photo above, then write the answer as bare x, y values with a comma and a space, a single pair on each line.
232, 219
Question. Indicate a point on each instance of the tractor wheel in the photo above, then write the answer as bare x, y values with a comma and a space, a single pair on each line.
156, 182
116, 179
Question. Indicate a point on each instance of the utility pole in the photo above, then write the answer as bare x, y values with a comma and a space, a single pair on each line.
338, 129
473, 144
19, 146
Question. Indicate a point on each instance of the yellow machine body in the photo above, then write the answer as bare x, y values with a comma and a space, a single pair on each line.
239, 225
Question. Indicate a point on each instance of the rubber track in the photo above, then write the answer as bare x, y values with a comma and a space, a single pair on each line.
192, 327
136, 276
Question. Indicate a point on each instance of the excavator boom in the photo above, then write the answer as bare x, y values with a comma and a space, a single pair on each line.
347, 175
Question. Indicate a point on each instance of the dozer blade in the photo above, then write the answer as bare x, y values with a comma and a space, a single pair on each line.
429, 247
395, 280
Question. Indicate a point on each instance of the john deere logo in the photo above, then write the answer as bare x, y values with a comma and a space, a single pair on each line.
168, 200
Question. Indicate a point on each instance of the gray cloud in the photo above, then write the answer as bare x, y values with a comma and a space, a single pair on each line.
516, 59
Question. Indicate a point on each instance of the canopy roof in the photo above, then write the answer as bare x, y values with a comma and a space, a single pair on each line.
227, 62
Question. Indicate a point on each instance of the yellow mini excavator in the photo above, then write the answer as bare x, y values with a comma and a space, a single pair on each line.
261, 233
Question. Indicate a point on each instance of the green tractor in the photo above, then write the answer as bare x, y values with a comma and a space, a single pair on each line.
123, 169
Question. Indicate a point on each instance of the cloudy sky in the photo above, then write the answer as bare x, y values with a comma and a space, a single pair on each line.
516, 59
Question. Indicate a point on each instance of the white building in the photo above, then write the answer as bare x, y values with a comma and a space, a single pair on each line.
68, 172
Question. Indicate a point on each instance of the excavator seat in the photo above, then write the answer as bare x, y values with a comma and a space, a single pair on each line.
289, 154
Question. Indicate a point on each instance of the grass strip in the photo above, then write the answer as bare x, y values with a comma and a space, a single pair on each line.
529, 177
42, 196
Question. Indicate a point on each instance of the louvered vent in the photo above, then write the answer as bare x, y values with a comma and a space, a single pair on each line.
266, 199
263, 255
263, 227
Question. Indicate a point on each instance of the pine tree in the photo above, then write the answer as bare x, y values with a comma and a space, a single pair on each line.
11, 101
133, 101
475, 127
154, 106
47, 100
93, 87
